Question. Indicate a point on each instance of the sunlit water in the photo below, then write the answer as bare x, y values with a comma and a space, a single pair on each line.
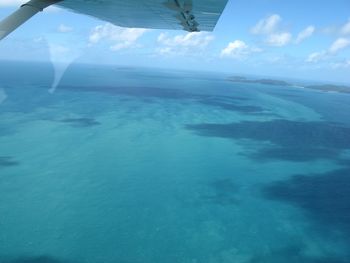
129, 165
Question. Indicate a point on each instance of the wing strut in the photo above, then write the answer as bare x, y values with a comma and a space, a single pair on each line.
24, 13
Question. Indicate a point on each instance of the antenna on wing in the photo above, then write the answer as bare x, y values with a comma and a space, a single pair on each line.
187, 6
184, 14
24, 13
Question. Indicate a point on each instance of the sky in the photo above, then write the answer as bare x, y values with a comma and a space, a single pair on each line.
306, 40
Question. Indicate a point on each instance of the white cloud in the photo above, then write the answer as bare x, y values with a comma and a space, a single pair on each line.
64, 29
338, 45
238, 49
117, 37
268, 25
193, 42
329, 30
279, 39
316, 57
333, 30
342, 64
194, 39
306, 33
165, 51
345, 30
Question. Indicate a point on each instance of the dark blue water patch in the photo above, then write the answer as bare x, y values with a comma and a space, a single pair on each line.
81, 122
293, 154
267, 113
231, 103
281, 132
21, 73
230, 97
344, 162
142, 92
325, 198
224, 192
147, 92
291, 140
28, 98
331, 106
8, 161
293, 254
7, 130
231, 106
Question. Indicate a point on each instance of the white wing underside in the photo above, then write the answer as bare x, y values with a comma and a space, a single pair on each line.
189, 15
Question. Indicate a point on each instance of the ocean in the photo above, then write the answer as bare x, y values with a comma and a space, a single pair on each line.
135, 165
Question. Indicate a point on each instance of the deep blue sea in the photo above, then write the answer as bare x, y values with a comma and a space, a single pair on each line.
132, 165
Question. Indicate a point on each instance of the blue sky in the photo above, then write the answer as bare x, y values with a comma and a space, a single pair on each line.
294, 39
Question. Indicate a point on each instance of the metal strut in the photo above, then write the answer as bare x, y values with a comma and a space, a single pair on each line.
24, 13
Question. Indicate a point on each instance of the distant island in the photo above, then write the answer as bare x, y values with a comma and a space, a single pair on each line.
330, 88
260, 81
274, 82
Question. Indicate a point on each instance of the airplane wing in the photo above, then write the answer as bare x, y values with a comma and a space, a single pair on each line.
189, 15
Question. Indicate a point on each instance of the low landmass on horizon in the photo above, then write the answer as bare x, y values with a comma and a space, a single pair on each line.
275, 82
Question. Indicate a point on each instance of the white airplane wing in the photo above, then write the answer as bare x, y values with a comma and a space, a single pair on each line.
189, 15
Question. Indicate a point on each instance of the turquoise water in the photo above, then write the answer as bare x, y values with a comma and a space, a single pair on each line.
129, 165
